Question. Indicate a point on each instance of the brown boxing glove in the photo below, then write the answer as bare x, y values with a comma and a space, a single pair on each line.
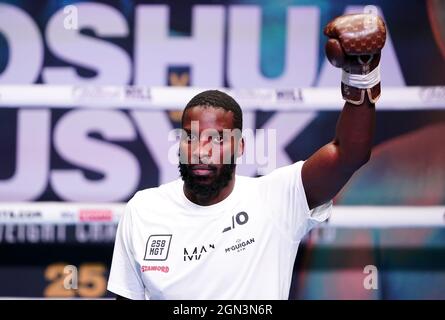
355, 42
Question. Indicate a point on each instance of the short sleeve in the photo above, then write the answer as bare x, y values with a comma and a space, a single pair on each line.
124, 279
284, 188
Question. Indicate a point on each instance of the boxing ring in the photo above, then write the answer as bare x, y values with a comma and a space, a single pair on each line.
39, 239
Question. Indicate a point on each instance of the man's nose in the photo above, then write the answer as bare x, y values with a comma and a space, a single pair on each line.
202, 150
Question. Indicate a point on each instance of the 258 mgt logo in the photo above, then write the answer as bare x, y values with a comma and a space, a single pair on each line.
157, 247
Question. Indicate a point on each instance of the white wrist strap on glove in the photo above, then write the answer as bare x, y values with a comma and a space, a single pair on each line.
360, 81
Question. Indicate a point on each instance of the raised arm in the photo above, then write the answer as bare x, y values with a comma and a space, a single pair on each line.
354, 45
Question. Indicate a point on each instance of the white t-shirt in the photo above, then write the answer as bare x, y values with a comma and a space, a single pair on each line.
243, 247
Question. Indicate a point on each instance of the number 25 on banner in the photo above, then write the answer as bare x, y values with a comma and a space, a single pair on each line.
68, 281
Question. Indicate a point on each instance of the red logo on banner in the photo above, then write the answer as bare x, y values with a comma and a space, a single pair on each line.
95, 215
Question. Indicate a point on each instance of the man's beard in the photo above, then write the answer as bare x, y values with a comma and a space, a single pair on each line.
206, 191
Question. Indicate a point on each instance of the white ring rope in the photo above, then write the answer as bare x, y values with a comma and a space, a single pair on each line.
161, 98
342, 216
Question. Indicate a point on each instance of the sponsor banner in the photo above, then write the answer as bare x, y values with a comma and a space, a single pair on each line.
84, 117
206, 45
59, 213
47, 234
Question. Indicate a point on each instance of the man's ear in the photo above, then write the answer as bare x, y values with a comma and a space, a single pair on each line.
240, 149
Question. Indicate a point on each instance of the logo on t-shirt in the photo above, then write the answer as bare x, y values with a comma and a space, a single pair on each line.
197, 252
240, 245
237, 220
164, 269
157, 247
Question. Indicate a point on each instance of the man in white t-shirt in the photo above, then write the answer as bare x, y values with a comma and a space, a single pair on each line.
216, 235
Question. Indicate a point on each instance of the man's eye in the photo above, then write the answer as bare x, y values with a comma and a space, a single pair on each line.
217, 139
190, 137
